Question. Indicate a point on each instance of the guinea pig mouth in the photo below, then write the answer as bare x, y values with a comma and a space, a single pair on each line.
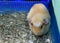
39, 34
37, 31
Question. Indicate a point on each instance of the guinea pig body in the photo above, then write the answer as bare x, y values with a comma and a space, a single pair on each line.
39, 19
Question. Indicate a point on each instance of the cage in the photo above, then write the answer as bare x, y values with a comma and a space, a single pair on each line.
18, 6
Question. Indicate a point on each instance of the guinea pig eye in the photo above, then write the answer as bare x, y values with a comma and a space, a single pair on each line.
31, 23
41, 26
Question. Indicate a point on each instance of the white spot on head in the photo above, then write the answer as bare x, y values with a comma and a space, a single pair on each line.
37, 24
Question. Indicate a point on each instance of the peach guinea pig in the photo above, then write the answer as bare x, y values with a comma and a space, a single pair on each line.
39, 19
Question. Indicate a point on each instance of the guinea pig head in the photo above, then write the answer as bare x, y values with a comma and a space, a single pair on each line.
39, 19
38, 25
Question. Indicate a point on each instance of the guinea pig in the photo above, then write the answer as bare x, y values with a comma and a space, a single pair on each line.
39, 19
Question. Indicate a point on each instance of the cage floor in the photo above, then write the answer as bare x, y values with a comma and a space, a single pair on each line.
14, 28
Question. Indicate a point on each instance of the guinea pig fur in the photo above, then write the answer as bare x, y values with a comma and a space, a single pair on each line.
39, 19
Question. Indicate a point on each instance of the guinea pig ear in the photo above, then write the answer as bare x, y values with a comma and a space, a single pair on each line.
46, 21
37, 24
